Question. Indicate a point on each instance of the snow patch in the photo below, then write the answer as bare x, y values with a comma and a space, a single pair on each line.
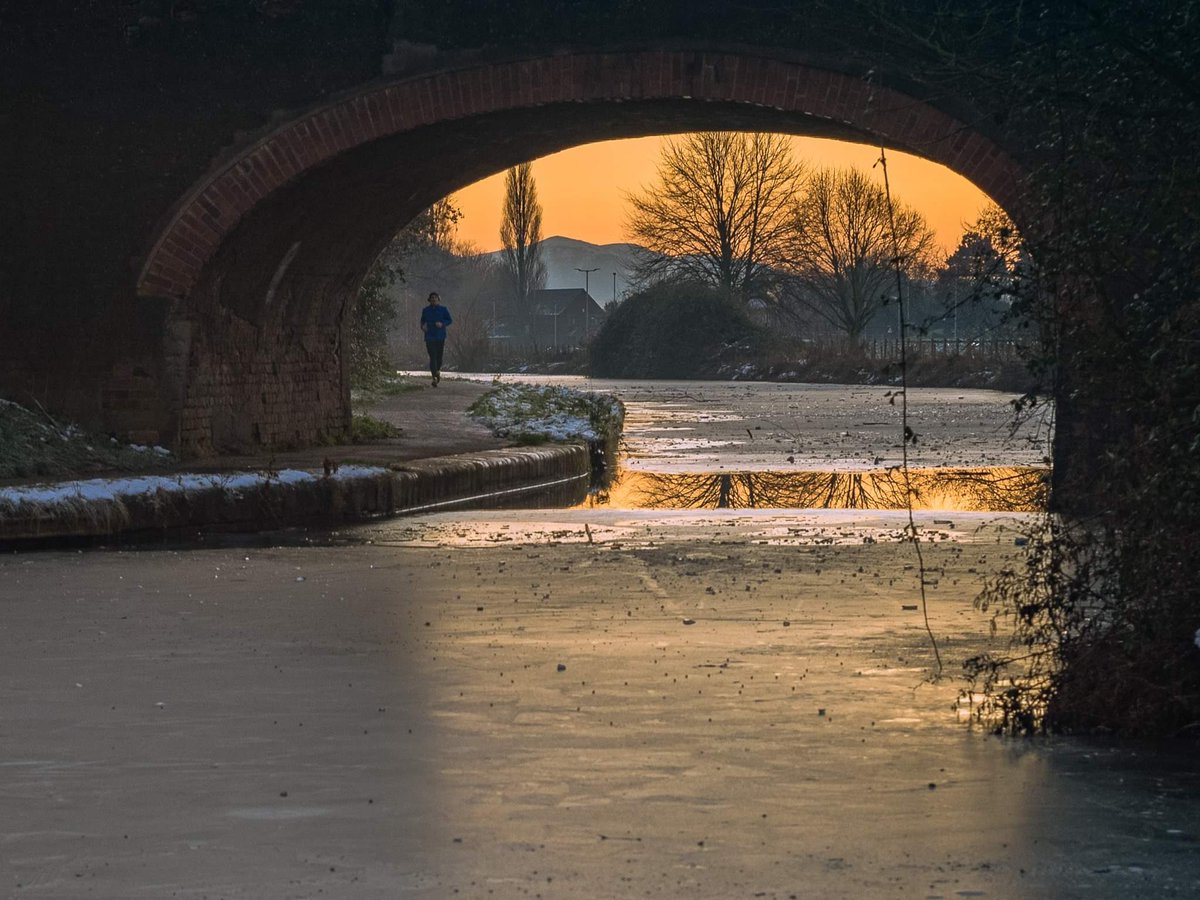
556, 413
116, 489
349, 473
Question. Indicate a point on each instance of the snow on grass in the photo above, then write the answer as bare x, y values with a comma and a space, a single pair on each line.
34, 444
548, 413
69, 494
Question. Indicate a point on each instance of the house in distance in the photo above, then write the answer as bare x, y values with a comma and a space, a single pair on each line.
560, 319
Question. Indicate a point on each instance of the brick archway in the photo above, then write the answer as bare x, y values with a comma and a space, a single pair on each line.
263, 254
220, 200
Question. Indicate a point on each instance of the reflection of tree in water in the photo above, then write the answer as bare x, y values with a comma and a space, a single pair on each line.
988, 490
600, 494
1009, 489
598, 497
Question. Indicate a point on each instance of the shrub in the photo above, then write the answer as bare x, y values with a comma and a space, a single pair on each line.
674, 330
364, 429
530, 414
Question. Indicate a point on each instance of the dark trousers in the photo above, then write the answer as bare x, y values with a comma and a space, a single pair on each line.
435, 349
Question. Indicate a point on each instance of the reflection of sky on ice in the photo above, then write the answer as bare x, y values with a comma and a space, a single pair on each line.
660, 446
676, 412
862, 740
993, 490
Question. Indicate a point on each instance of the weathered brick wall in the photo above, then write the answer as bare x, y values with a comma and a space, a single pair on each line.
106, 375
132, 395
825, 100
251, 387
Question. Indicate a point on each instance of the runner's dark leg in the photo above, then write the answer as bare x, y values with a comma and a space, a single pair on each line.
431, 347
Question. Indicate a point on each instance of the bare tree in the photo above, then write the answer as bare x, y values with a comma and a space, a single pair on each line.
979, 281
439, 224
521, 235
840, 254
720, 212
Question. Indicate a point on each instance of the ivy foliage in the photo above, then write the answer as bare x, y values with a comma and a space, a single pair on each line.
1102, 101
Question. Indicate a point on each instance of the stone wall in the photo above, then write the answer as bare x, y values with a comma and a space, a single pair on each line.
550, 476
250, 388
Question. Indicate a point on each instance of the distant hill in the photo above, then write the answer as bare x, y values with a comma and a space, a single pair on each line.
563, 256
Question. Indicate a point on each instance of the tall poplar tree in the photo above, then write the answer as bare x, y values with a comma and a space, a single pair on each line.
521, 236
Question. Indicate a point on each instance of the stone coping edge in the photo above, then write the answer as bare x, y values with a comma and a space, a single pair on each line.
266, 501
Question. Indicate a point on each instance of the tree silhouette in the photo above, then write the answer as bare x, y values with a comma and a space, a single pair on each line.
521, 236
840, 252
1009, 489
719, 212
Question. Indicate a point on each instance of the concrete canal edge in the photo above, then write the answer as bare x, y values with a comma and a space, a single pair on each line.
546, 475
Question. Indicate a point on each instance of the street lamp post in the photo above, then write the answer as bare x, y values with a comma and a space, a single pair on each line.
586, 299
556, 312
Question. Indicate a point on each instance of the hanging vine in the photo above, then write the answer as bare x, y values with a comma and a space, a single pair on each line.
911, 532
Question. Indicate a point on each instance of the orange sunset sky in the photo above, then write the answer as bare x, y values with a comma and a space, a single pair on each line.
583, 189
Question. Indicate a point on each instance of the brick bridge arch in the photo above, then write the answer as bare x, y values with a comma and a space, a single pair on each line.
261, 258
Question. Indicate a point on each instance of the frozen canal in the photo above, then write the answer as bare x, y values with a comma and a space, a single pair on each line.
586, 703
698, 426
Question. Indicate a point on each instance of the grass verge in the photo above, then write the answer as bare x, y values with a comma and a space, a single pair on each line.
386, 386
32, 445
365, 429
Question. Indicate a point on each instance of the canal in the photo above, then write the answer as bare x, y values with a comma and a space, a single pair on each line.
622, 699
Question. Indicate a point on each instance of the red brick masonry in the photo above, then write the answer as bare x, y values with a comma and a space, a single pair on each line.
214, 207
